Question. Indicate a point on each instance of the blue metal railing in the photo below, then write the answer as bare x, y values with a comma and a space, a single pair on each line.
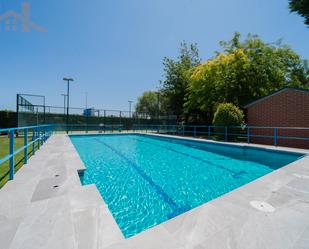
39, 136
246, 133
101, 128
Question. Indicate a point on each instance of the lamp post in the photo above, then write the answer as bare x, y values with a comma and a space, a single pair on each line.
64, 98
86, 104
130, 103
68, 100
87, 111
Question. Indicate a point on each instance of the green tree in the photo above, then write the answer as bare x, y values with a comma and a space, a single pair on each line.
148, 103
244, 71
177, 77
301, 7
228, 114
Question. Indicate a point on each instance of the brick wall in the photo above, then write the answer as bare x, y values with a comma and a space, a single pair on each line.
287, 108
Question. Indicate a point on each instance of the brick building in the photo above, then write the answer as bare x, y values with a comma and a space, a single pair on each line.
287, 107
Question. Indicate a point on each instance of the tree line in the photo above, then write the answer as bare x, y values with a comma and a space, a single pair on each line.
245, 69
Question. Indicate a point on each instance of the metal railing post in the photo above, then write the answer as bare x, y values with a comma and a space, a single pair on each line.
41, 131
33, 139
275, 136
38, 137
225, 133
25, 146
44, 135
194, 131
208, 131
12, 154
248, 135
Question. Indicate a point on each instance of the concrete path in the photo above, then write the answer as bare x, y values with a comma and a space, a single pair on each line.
46, 207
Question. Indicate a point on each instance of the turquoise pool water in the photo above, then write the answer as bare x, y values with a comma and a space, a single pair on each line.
146, 180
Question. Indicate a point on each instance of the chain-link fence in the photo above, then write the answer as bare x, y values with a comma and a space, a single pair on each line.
36, 113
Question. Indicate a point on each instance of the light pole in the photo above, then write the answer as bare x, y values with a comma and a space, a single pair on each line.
68, 101
64, 97
87, 111
130, 103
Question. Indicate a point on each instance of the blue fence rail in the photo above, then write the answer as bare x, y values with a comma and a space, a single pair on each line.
101, 128
38, 134
226, 133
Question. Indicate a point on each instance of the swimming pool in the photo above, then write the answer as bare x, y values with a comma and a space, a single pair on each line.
146, 180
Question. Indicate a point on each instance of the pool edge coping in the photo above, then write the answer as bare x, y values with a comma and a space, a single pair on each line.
151, 233
228, 221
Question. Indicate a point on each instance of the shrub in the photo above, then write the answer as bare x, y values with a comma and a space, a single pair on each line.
228, 114
8, 119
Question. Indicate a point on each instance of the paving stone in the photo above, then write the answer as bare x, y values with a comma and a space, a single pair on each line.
34, 215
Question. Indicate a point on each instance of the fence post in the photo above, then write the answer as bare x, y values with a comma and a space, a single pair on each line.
42, 138
248, 135
39, 137
194, 131
33, 138
225, 133
44, 134
40, 130
25, 146
12, 154
208, 131
275, 136
183, 130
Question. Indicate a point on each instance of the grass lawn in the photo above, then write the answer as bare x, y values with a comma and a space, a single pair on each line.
19, 158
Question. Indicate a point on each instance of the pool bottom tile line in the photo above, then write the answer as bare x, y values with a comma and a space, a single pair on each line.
165, 197
232, 172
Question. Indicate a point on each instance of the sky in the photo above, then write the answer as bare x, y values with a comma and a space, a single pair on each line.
114, 48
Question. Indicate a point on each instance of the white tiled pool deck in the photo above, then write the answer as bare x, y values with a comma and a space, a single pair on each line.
45, 206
